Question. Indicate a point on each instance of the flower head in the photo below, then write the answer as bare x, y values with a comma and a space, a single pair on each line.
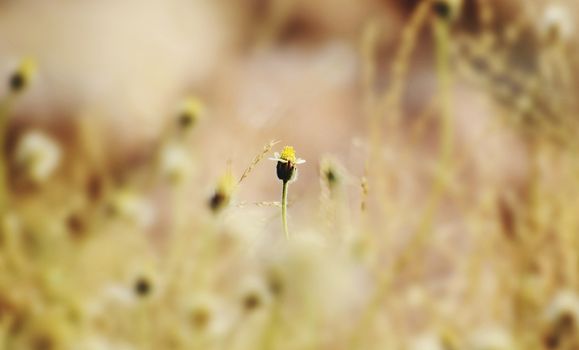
286, 163
561, 317
190, 113
556, 24
223, 191
207, 315
331, 173
175, 163
142, 286
254, 294
38, 155
288, 154
133, 207
492, 338
20, 79
447, 9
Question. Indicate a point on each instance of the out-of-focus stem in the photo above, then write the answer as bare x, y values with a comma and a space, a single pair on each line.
446, 141
5, 107
445, 158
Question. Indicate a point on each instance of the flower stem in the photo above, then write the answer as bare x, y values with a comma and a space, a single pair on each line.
5, 107
284, 208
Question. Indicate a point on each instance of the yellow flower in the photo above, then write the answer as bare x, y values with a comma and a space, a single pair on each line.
556, 24
190, 113
286, 172
222, 196
286, 163
20, 79
288, 154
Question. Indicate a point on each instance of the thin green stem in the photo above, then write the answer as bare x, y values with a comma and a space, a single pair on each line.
284, 208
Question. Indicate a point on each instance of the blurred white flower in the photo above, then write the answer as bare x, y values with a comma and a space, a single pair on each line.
556, 23
175, 163
492, 338
101, 343
134, 208
564, 303
428, 341
254, 294
207, 315
119, 295
38, 155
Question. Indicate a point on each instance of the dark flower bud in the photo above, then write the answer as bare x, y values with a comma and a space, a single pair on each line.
286, 164
222, 195
286, 171
190, 113
20, 79
446, 9
217, 201
200, 317
251, 301
142, 287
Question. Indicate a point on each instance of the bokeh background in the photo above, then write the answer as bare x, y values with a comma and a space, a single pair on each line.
449, 126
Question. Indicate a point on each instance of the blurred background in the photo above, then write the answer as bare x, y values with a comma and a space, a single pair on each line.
435, 209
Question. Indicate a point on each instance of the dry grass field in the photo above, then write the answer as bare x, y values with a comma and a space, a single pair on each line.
289, 174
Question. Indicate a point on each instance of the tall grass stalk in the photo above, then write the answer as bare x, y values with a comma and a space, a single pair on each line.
441, 31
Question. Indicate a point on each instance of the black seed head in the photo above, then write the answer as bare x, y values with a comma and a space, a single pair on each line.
251, 301
17, 82
442, 9
200, 317
331, 176
565, 323
551, 341
218, 201
94, 187
43, 342
553, 34
286, 171
186, 120
142, 287
76, 225
275, 285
